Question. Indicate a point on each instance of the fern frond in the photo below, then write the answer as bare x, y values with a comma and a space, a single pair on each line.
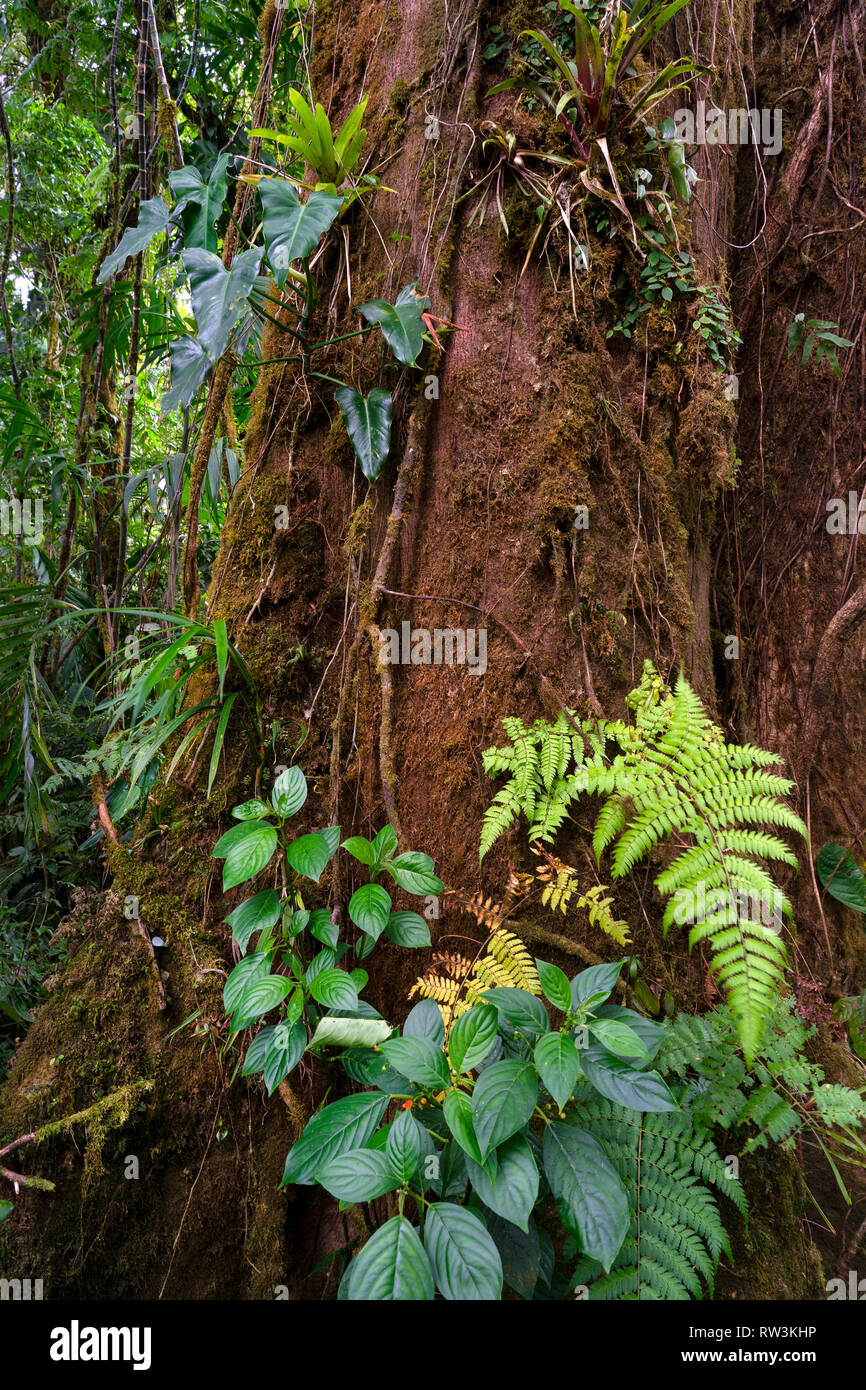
668, 1164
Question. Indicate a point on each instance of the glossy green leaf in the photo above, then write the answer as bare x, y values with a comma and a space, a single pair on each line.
190, 190
289, 792
400, 322
842, 876
153, 216
258, 913
246, 848
502, 1102
466, 1263
293, 229
252, 810
513, 1192
555, 984
360, 849
558, 1063
391, 1267
369, 909
588, 1191
457, 1110
368, 422
334, 989
404, 1147
251, 990
597, 980
219, 296
618, 1080
408, 929
309, 855
360, 1175
618, 1038
414, 872
419, 1059
344, 1125
275, 1051
190, 368
472, 1036
425, 1021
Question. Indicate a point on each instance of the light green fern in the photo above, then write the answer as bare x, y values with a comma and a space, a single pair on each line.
668, 1164
676, 777
547, 768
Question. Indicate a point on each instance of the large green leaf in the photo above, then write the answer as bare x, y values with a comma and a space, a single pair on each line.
400, 323
251, 990
246, 849
457, 1110
558, 1063
419, 1059
190, 189
153, 218
391, 1267
513, 1192
344, 1125
360, 1175
619, 1038
335, 989
555, 984
594, 983
404, 1146
368, 422
292, 228
502, 1102
289, 792
523, 1011
275, 1051
350, 1032
370, 908
414, 872
219, 296
190, 367
588, 1191
619, 1080
466, 1263
309, 855
408, 929
425, 1021
842, 876
472, 1036
256, 914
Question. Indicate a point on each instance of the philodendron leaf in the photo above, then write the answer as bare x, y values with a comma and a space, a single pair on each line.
293, 229
190, 366
400, 323
219, 296
152, 219
368, 421
190, 189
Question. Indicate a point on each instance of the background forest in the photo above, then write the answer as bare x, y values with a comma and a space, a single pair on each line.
431, 843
